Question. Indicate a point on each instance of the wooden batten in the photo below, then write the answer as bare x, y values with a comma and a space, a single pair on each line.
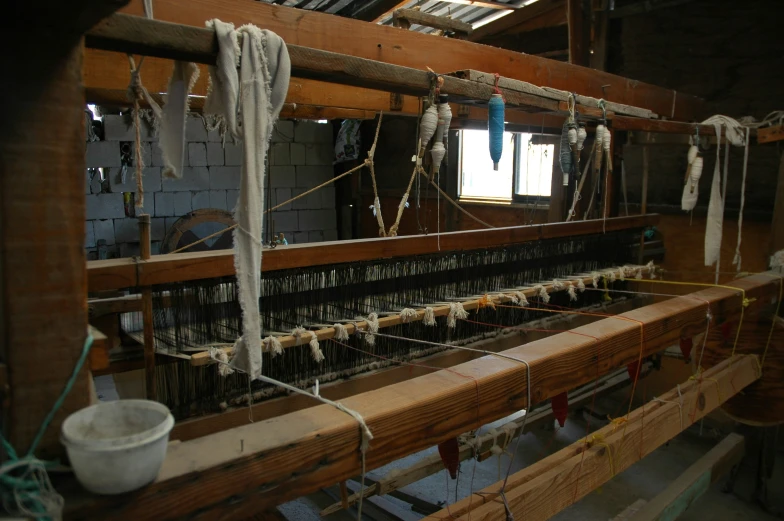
160, 269
246, 468
545, 488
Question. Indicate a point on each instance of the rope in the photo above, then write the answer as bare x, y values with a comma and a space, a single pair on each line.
136, 92
371, 164
737, 259
368, 162
24, 483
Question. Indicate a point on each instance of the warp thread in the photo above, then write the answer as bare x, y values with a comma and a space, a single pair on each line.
570, 290
372, 329
315, 350
456, 311
273, 345
341, 333
407, 314
539, 290
430, 318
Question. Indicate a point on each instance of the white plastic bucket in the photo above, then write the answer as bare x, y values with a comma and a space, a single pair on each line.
118, 446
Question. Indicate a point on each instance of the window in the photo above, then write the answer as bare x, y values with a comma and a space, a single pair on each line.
524, 173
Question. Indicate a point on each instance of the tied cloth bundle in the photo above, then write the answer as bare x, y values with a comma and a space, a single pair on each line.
249, 85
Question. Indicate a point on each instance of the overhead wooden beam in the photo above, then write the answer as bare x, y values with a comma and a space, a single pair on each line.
255, 467
160, 269
547, 487
528, 18
390, 45
405, 17
770, 134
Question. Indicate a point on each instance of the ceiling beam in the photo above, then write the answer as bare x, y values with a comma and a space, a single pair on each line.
393, 46
533, 16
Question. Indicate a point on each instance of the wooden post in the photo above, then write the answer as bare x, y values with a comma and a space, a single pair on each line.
575, 22
149, 338
598, 57
644, 202
777, 230
43, 283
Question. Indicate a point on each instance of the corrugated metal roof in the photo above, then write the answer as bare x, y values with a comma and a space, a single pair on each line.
471, 14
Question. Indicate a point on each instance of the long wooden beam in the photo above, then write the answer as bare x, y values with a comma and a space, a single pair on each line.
545, 488
133, 34
160, 269
393, 46
254, 467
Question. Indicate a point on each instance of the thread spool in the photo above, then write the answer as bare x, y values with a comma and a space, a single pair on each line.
696, 173
606, 138
565, 154
428, 126
437, 153
581, 136
495, 125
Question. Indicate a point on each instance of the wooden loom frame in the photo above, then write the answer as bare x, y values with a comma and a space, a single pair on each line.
318, 445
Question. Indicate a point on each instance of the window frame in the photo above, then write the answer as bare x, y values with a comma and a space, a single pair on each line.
542, 201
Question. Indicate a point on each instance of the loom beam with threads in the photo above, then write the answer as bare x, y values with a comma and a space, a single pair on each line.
240, 471
382, 276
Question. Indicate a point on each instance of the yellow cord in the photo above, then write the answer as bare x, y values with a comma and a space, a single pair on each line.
598, 439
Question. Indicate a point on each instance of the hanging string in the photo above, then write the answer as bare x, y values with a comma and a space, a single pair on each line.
136, 94
24, 483
366, 434
737, 259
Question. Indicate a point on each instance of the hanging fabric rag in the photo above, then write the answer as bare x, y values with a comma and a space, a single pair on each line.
250, 103
691, 183
734, 135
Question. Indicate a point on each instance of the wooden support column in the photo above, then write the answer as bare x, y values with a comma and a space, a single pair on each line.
577, 32
149, 339
777, 230
43, 283
600, 26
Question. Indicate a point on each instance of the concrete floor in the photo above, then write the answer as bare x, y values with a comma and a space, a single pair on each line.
643, 480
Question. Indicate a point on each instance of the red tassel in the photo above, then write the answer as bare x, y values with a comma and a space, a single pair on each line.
560, 405
634, 370
450, 455
686, 345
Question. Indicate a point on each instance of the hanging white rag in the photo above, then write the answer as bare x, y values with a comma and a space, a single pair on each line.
250, 103
735, 135
175, 115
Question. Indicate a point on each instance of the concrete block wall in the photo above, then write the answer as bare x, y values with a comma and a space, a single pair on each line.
300, 158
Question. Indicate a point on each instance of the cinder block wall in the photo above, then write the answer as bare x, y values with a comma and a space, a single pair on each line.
300, 158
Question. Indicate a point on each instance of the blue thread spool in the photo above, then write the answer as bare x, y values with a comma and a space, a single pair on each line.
495, 124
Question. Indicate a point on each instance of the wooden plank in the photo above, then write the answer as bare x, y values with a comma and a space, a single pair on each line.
127, 273
99, 352
694, 482
390, 45
585, 105
414, 16
770, 134
545, 488
601, 25
257, 466
521, 18
43, 311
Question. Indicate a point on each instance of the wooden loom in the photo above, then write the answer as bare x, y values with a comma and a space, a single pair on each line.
242, 470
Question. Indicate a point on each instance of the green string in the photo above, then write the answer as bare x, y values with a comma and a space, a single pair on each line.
24, 489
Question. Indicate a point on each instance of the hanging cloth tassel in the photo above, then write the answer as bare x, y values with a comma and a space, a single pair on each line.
715, 209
